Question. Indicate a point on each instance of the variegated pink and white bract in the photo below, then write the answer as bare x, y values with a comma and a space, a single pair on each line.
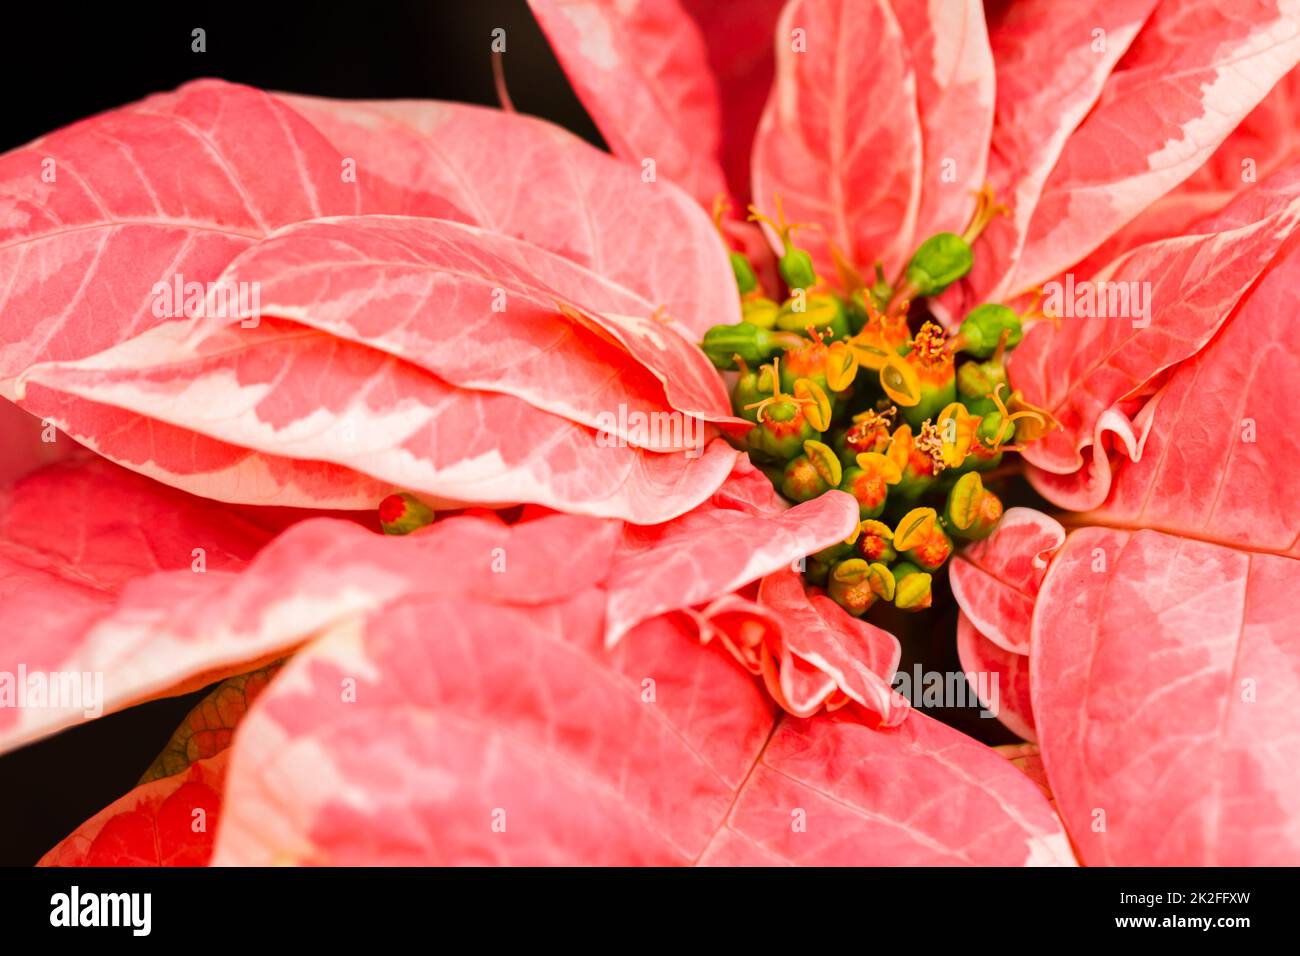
457, 302
455, 320
1143, 141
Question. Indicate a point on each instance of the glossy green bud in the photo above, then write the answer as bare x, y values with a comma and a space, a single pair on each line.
983, 455
868, 481
752, 386
723, 343
939, 262
796, 268
746, 281
807, 361
847, 586
976, 381
934, 398
982, 329
993, 430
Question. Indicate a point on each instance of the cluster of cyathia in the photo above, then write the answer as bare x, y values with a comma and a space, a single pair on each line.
851, 387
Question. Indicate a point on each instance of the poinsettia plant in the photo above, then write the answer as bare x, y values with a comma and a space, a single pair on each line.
530, 504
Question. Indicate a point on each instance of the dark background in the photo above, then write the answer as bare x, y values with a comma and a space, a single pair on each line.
96, 58
101, 56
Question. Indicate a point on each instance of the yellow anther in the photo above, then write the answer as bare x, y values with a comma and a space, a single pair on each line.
930, 443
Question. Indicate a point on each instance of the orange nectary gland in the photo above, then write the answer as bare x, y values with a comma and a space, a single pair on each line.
870, 489
860, 595
934, 550
871, 546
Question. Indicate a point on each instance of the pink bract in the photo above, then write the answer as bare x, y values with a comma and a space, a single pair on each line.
475, 307
1121, 159
395, 282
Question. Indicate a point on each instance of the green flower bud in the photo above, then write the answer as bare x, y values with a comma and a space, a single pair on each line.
723, 343
939, 262
746, 281
919, 457
934, 398
781, 431
994, 430
796, 268
870, 492
808, 361
825, 461
750, 388
787, 422
976, 381
795, 265
981, 331
871, 430
847, 586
